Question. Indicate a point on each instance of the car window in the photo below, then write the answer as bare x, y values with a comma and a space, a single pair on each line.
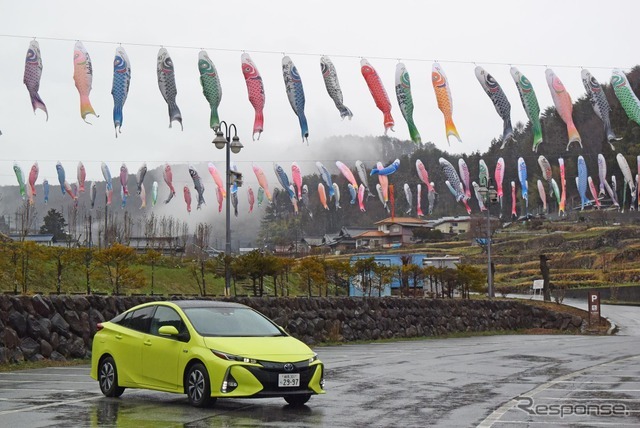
141, 319
124, 319
221, 321
118, 319
165, 315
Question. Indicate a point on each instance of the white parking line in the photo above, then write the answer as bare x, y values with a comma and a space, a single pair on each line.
497, 414
42, 406
598, 382
591, 390
36, 381
79, 367
37, 389
613, 373
572, 423
21, 374
629, 400
31, 399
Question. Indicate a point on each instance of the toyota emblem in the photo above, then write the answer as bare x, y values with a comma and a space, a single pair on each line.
288, 367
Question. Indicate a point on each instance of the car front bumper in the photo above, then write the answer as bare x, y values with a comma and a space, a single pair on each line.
261, 380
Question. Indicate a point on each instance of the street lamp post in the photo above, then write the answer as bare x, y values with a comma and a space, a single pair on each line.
489, 195
489, 272
234, 145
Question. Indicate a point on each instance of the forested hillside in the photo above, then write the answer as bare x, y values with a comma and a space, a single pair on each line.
280, 224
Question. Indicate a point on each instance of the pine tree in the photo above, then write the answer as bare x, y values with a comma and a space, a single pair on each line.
54, 224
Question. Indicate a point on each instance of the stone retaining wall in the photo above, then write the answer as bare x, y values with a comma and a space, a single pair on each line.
62, 327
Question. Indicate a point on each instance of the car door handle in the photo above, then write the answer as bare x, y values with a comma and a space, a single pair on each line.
118, 336
148, 343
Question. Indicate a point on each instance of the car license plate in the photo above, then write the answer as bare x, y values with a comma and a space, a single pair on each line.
288, 379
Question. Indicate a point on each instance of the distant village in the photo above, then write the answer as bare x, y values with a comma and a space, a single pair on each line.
389, 233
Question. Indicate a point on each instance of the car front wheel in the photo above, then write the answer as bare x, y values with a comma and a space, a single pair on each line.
108, 378
297, 400
198, 386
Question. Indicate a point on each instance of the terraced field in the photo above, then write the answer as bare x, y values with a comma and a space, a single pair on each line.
580, 255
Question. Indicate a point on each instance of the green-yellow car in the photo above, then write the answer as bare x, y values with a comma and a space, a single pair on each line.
205, 349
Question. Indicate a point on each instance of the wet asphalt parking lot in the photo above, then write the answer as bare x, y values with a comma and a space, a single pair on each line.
490, 381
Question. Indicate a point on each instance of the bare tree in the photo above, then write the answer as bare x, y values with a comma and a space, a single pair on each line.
202, 235
127, 228
151, 228
153, 257
99, 221
200, 243
88, 227
31, 263
25, 219
114, 231
139, 222
171, 226
183, 228
72, 221
164, 226
58, 256
85, 257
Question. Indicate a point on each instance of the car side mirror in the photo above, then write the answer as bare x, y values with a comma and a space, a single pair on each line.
168, 330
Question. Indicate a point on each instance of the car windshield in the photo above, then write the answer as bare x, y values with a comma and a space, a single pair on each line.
231, 322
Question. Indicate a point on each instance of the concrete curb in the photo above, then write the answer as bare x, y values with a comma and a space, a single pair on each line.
613, 329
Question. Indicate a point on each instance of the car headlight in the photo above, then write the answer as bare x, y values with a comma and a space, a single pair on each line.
314, 358
231, 357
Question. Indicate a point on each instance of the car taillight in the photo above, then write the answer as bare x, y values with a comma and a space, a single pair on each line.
99, 326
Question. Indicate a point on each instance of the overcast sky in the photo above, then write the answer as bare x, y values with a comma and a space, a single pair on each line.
494, 34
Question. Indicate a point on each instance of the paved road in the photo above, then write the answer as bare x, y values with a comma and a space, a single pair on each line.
627, 318
439, 382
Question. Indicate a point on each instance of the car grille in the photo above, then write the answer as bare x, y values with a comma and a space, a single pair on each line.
268, 376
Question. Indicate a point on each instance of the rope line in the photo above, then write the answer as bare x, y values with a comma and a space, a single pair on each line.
296, 53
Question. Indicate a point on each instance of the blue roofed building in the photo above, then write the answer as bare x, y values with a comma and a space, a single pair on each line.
391, 286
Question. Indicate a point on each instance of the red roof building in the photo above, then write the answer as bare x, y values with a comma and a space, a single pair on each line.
393, 232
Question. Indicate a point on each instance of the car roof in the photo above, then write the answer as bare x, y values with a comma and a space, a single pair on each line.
182, 304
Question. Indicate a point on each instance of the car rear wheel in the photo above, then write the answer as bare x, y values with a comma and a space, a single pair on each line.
297, 400
108, 378
198, 386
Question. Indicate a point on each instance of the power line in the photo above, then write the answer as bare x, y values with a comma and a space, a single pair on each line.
297, 53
